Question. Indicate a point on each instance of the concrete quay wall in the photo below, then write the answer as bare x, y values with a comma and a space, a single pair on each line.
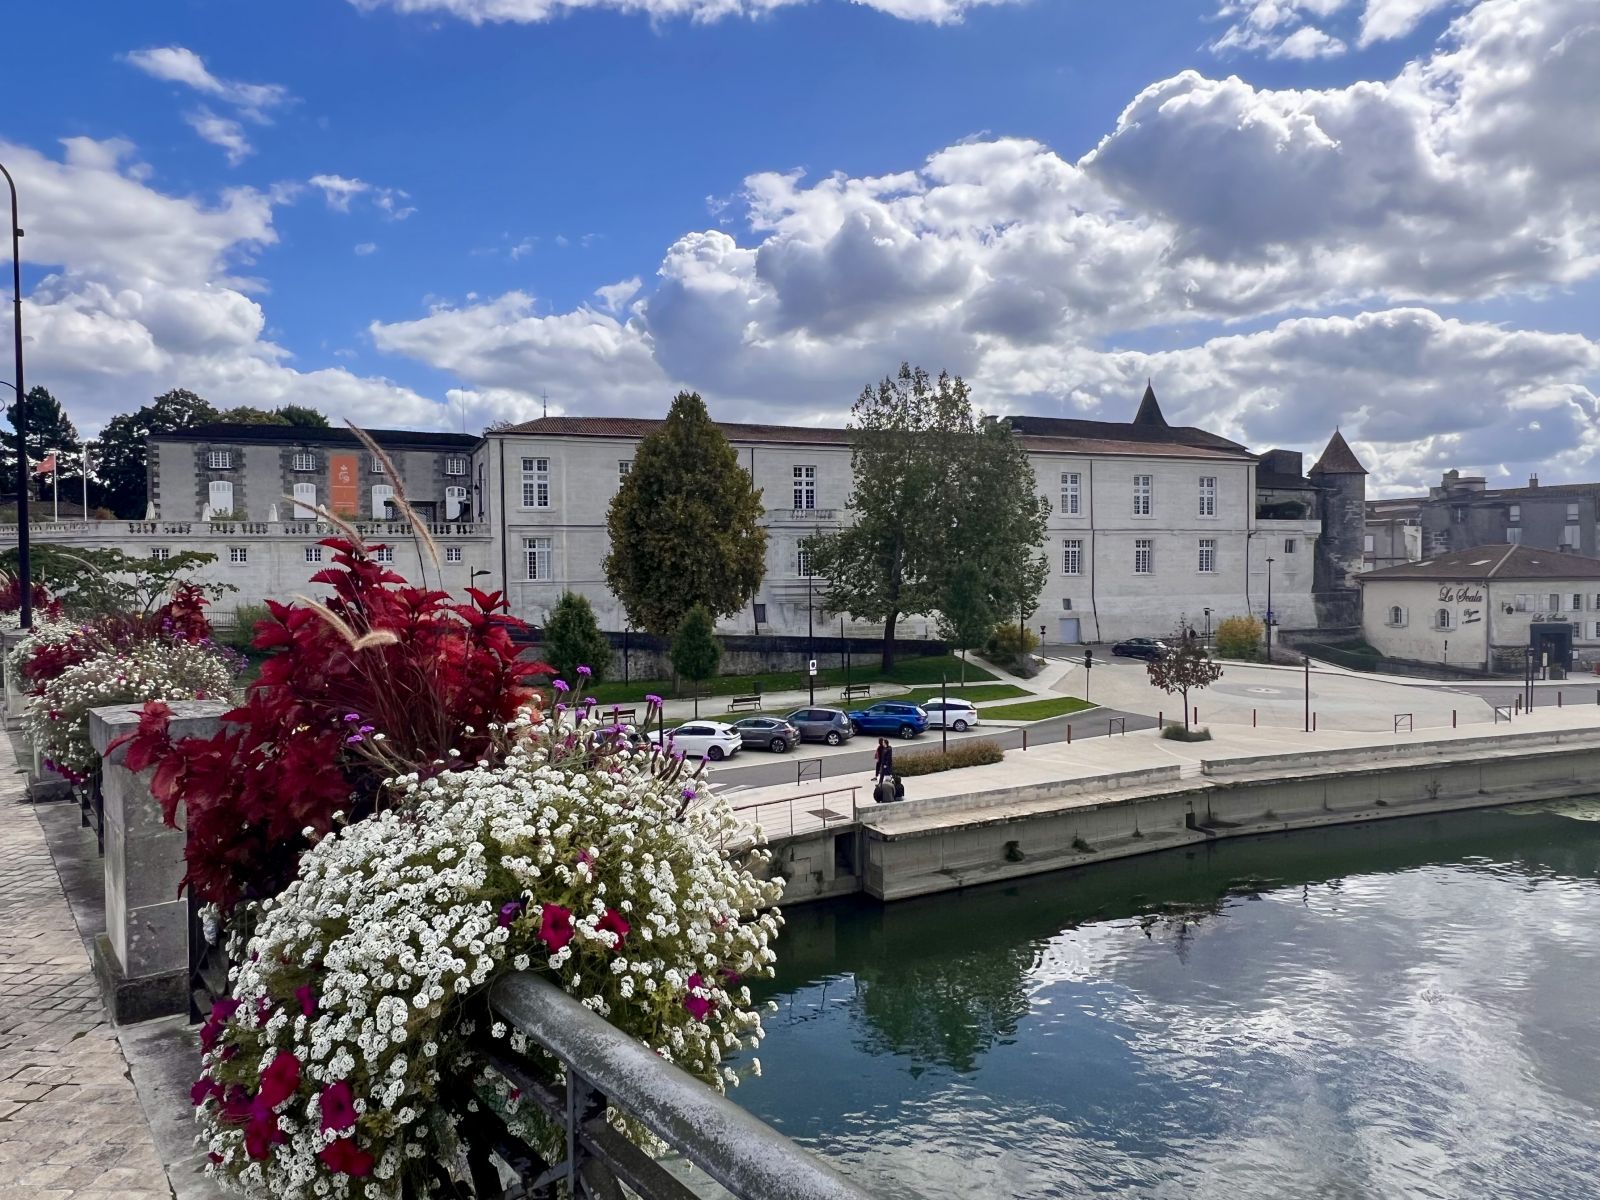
944, 844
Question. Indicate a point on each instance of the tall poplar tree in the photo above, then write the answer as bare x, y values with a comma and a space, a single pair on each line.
685, 525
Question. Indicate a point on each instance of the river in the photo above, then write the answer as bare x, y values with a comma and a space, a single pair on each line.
1402, 1009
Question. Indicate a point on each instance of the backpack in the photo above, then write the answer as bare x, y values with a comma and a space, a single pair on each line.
899, 788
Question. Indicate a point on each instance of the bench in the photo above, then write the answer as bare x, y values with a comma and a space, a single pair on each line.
745, 704
856, 691
622, 716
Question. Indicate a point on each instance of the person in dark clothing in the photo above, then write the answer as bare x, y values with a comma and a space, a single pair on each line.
882, 760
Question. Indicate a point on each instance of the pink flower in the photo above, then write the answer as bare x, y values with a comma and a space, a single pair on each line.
204, 1089
699, 1006
509, 912
308, 1000
338, 1108
221, 1010
279, 1080
555, 926
347, 1158
261, 1135
613, 922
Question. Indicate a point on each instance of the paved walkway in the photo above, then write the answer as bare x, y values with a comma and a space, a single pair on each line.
71, 1126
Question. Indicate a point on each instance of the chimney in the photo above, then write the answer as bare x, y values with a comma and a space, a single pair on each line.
1533, 481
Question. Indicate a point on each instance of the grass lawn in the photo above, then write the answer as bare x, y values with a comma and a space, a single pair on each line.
829, 681
1036, 710
974, 695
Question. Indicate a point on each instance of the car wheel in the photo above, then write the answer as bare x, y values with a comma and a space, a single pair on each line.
778, 745
833, 738
959, 727
715, 754
908, 731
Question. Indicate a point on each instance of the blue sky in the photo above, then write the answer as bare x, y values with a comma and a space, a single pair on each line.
403, 211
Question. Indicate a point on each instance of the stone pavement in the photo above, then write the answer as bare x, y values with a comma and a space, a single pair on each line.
71, 1126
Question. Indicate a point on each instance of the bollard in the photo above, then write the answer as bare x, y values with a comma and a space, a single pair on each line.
1159, 720
1558, 699
1253, 717
1024, 739
1069, 733
1452, 718
1313, 722
1197, 714
1517, 707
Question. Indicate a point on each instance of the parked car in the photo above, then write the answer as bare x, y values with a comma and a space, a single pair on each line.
959, 715
904, 720
1145, 648
767, 733
829, 725
703, 739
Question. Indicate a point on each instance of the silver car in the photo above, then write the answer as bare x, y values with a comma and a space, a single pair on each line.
829, 725
767, 733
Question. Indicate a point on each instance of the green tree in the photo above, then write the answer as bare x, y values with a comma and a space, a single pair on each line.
685, 525
1184, 668
1240, 637
303, 417
246, 415
695, 649
49, 429
122, 464
999, 519
572, 638
965, 614
91, 581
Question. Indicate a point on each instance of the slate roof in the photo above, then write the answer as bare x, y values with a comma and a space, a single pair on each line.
1496, 561
638, 427
303, 435
1149, 411
1338, 459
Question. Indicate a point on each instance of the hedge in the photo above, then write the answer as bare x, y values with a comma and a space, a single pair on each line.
964, 754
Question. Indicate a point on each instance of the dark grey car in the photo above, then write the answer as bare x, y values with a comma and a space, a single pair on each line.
767, 733
831, 725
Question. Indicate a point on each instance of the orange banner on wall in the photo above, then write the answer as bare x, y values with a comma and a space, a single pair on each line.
344, 493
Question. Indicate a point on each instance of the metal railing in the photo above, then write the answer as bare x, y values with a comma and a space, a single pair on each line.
822, 812
606, 1069
234, 529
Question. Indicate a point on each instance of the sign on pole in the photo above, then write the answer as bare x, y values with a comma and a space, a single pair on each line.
811, 667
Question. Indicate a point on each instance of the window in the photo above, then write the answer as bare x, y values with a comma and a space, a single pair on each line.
1072, 556
1208, 556
536, 555
383, 554
1569, 537
1288, 545
219, 499
1369, 544
1577, 601
1441, 619
1514, 535
805, 487
1525, 602
1572, 512
535, 483
160, 553
1141, 495
303, 460
455, 499
1071, 494
1458, 514
452, 554
1554, 604
1066, 603
624, 468
456, 464
1143, 549
313, 553
219, 460
238, 555
305, 501
382, 501
1597, 629
1208, 495
1514, 513
1397, 616
376, 464
802, 563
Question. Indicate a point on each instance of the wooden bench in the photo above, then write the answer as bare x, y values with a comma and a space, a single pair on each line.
745, 704
856, 691
622, 716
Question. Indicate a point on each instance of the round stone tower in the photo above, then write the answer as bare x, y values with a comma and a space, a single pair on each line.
1341, 483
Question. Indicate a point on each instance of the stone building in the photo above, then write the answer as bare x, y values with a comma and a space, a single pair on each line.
1483, 607
1341, 483
1463, 511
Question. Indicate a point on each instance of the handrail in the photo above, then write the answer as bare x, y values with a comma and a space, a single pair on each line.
745, 1155
790, 801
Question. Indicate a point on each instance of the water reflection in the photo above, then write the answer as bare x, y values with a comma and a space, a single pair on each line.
1396, 1010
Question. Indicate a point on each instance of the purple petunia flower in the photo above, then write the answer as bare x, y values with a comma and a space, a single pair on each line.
560, 685
585, 671
653, 699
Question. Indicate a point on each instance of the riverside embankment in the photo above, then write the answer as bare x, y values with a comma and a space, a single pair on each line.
1064, 806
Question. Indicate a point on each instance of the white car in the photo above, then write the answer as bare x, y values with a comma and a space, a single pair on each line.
957, 714
703, 739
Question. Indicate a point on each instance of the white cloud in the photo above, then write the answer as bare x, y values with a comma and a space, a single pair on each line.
221, 131
481, 12
615, 295
391, 202
177, 64
338, 191
1308, 42
1385, 20
1285, 28
366, 248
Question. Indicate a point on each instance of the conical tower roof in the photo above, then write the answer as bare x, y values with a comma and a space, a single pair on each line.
1149, 411
1338, 459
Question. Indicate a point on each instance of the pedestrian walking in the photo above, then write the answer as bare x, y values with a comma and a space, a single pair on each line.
882, 760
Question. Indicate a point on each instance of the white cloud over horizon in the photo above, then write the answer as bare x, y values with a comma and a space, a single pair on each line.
526, 12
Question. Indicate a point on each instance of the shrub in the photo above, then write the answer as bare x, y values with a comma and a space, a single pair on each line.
965, 754
1009, 642
1177, 733
1240, 637
572, 638
243, 630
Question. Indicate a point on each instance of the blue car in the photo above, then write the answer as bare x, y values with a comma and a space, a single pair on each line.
903, 720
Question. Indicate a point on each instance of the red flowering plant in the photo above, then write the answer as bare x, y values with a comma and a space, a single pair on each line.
45, 606
383, 679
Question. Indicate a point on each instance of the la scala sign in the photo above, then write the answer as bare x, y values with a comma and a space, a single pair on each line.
1465, 593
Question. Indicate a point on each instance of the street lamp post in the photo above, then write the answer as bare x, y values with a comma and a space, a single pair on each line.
1307, 659
944, 712
1270, 561
811, 645
1208, 627
24, 574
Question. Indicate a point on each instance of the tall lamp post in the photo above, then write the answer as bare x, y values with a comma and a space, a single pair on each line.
24, 574
811, 646
1270, 561
1208, 627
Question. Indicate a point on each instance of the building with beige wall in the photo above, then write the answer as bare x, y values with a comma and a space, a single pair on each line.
1484, 607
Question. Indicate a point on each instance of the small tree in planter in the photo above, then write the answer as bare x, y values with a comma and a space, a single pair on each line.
572, 638
1187, 667
695, 650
